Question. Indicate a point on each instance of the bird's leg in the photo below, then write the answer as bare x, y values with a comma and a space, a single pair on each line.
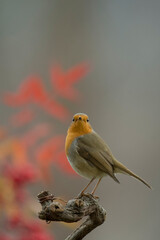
96, 186
82, 192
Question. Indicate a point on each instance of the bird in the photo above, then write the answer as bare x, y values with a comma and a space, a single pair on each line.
90, 156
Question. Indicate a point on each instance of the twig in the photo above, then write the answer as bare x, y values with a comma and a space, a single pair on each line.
56, 209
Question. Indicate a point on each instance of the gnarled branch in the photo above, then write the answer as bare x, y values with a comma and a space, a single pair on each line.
56, 209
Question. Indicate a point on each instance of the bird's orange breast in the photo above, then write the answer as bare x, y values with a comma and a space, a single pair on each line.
69, 139
72, 135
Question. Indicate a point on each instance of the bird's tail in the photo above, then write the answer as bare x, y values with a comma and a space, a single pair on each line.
120, 168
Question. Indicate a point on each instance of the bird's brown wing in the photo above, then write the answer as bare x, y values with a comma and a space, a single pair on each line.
94, 150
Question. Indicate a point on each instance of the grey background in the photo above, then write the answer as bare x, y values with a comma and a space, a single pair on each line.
121, 95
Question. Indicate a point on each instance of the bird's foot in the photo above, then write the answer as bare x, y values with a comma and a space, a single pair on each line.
82, 194
95, 197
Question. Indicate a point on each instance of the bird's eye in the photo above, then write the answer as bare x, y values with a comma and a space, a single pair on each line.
87, 120
73, 119
80, 118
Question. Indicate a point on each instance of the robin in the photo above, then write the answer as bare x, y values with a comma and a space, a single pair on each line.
89, 155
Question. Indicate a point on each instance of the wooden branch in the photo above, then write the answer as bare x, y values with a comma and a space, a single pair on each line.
56, 209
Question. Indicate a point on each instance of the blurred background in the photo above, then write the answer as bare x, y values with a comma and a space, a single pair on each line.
62, 57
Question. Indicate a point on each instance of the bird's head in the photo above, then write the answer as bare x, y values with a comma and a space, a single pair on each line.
80, 124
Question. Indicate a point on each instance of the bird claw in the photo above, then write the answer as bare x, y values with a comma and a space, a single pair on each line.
82, 194
95, 197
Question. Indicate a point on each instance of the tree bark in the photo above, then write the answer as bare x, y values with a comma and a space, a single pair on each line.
56, 209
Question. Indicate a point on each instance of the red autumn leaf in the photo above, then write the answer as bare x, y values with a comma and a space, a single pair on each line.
21, 118
20, 175
36, 133
55, 109
63, 82
30, 90
33, 91
75, 74
47, 152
